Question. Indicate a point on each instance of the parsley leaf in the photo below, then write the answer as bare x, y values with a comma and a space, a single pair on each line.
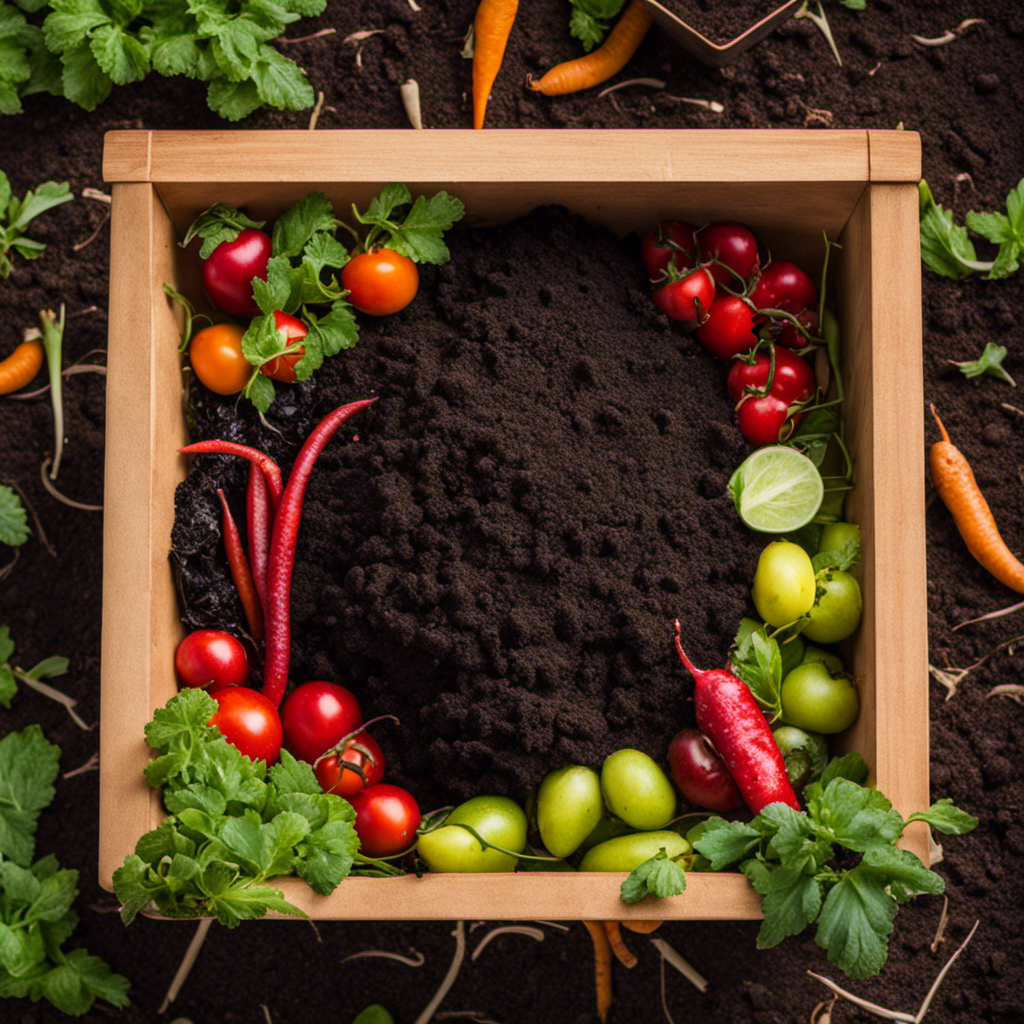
588, 21
990, 361
16, 215
14, 529
659, 876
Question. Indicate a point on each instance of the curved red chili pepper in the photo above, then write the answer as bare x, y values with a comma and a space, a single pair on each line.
730, 716
271, 470
257, 516
240, 573
282, 550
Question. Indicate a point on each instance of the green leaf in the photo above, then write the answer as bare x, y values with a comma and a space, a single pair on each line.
177, 55
902, 872
290, 775
854, 816
791, 900
260, 391
945, 817
120, 55
84, 82
28, 768
855, 923
233, 100
726, 842
280, 291
381, 207
182, 720
14, 529
222, 222
374, 1014
247, 902
756, 659
849, 766
300, 222
991, 362
280, 82
97, 979
589, 20
420, 234
1006, 231
333, 332
70, 22
659, 876
844, 559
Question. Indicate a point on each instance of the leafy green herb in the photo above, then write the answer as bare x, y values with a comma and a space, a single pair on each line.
233, 825
10, 674
14, 529
659, 876
845, 558
756, 660
16, 215
220, 223
990, 361
947, 249
787, 855
416, 232
36, 918
589, 20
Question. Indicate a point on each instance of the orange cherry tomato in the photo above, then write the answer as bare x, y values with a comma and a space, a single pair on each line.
216, 356
380, 282
283, 367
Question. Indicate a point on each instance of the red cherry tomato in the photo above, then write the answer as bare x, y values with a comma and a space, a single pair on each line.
786, 334
688, 299
729, 328
211, 658
735, 246
380, 282
699, 772
794, 377
316, 716
363, 753
282, 368
249, 721
761, 419
657, 255
386, 819
228, 272
783, 286
216, 357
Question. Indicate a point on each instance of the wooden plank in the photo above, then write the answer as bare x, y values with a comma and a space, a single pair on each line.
733, 155
894, 156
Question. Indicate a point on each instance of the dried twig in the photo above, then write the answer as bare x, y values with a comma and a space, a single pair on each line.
187, 962
942, 974
315, 115
654, 83
991, 615
950, 36
305, 39
449, 978
510, 929
55, 695
97, 194
92, 765
713, 105
684, 967
68, 371
62, 498
820, 22
78, 246
952, 677
941, 929
416, 960
822, 1013
1012, 690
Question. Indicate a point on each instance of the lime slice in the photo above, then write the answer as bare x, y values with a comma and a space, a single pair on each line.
777, 489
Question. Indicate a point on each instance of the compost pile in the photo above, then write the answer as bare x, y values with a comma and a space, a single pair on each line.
538, 492
965, 98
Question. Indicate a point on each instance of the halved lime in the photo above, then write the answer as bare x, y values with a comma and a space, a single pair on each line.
777, 489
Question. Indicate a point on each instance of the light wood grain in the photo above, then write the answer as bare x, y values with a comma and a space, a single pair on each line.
894, 156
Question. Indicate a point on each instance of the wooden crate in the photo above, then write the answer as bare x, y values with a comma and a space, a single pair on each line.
858, 186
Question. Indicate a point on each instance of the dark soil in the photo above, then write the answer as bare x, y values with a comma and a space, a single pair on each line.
965, 98
721, 23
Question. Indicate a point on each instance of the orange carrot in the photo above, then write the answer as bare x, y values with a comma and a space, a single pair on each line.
642, 927
20, 366
491, 29
607, 60
954, 480
622, 952
602, 967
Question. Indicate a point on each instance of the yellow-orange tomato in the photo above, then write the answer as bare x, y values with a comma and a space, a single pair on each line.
380, 282
216, 356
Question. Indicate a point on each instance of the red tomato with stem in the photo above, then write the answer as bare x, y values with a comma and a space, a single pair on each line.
250, 722
228, 272
211, 658
794, 376
699, 772
386, 819
291, 329
216, 356
658, 255
729, 328
731, 244
316, 716
687, 299
380, 282
362, 752
783, 286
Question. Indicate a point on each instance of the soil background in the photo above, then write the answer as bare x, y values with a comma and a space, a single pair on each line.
966, 99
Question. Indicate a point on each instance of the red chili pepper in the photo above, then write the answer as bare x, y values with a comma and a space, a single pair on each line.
271, 471
257, 515
728, 714
239, 566
282, 550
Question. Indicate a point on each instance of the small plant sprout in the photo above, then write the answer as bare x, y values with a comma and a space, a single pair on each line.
17, 214
989, 362
819, 20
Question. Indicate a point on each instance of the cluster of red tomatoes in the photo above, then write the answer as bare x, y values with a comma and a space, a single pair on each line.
319, 722
712, 280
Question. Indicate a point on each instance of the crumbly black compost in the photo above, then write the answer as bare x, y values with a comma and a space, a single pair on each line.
539, 491
721, 22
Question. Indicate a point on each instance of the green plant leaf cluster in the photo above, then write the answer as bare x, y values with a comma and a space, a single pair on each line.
233, 825
788, 856
16, 214
36, 896
83, 48
990, 362
48, 668
589, 20
414, 229
660, 876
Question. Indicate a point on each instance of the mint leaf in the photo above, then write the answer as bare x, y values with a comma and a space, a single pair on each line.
14, 530
333, 332
28, 768
660, 876
989, 362
844, 559
945, 817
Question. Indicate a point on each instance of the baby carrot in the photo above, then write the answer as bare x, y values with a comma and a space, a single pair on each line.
491, 29
607, 60
602, 967
20, 366
954, 480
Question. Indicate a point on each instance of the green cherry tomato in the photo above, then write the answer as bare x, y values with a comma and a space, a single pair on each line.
628, 852
812, 653
836, 614
569, 806
497, 819
835, 535
637, 790
819, 701
783, 583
